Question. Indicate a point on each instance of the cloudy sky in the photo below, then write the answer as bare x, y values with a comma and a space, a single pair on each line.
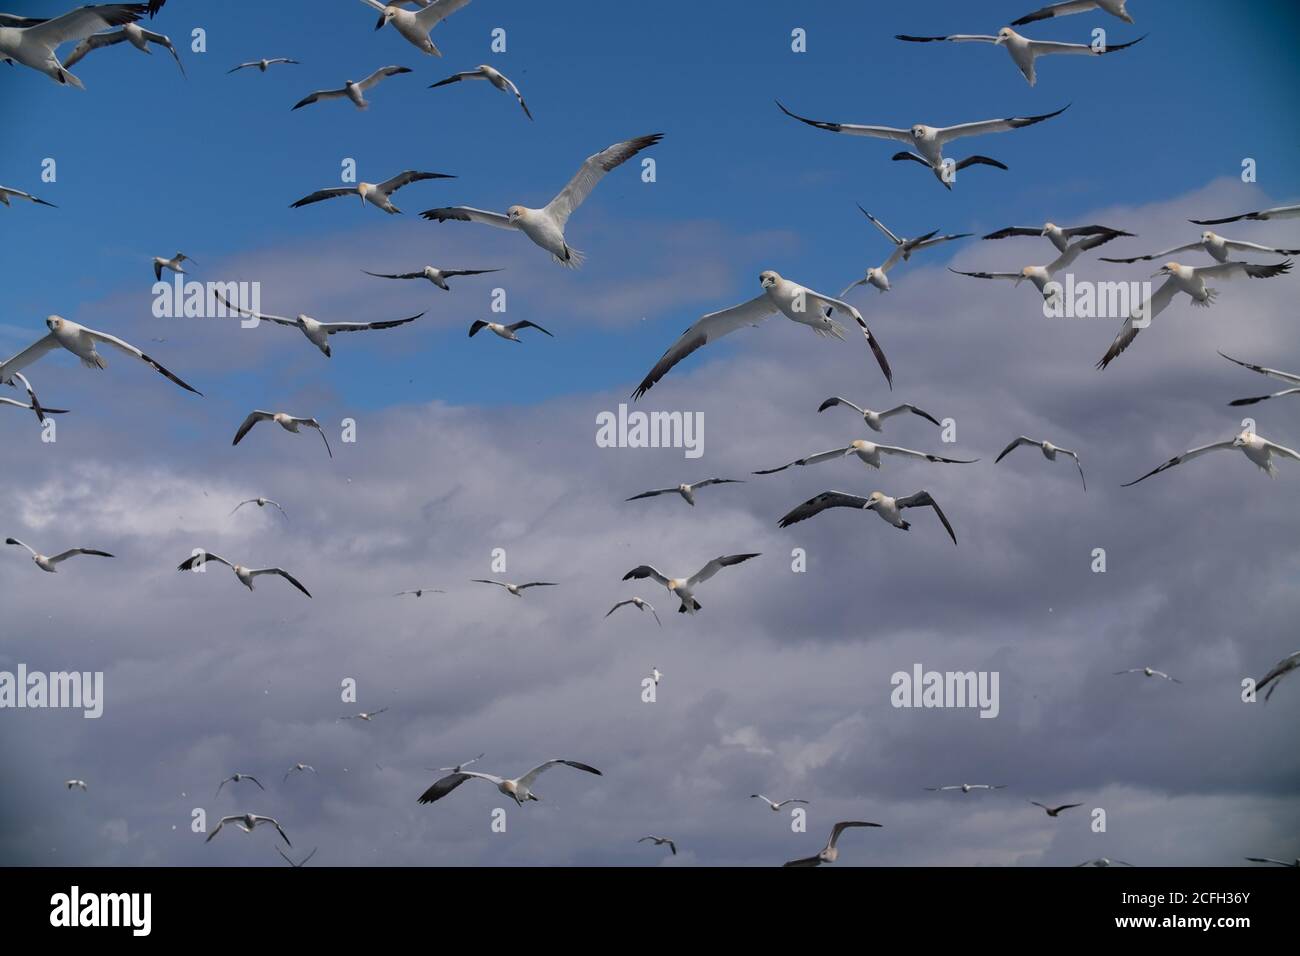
782, 683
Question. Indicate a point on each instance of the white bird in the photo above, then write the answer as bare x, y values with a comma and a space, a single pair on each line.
1059, 236
289, 423
928, 141
876, 420
415, 25
495, 77
1114, 7
1192, 281
506, 332
684, 588
1040, 276
660, 841
1262, 215
779, 296
869, 453
132, 33
968, 787
318, 333
239, 778
545, 226
518, 789
1255, 447
420, 592
174, 264
1269, 859
366, 715
515, 589
1149, 672
33, 403
1049, 451
656, 675
33, 42
1023, 50
1290, 377
352, 90
1103, 861
75, 784
774, 805
261, 503
438, 277
640, 605
889, 509
248, 822
1278, 671
246, 575
377, 194
263, 63
1216, 245
82, 342
49, 563
829, 853
299, 768
304, 859
687, 491
903, 248
7, 191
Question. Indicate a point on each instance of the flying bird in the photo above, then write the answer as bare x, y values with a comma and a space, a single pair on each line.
929, 141
132, 33
438, 277
8, 191
1102, 861
49, 563
660, 841
1255, 447
775, 807
174, 264
196, 562
1262, 215
261, 503
495, 77
33, 403
263, 63
687, 491
1023, 50
779, 296
82, 342
684, 588
1187, 279
32, 42
968, 787
318, 333
240, 778
518, 789
1269, 859
1049, 451
869, 453
304, 859
75, 784
366, 715
829, 853
640, 605
1289, 377
420, 592
1279, 670
1114, 7
1055, 811
876, 420
903, 248
352, 90
506, 332
1059, 236
415, 25
889, 509
656, 675
377, 194
545, 226
299, 768
1041, 276
248, 822
515, 589
1216, 245
289, 423
1149, 672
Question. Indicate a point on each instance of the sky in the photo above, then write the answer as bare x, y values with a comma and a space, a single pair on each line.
781, 684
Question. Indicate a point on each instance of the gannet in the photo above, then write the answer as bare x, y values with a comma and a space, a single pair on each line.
1055, 811
48, 563
660, 841
438, 277
132, 33
1149, 672
877, 276
1216, 245
289, 423
506, 332
687, 491
889, 509
263, 63
248, 822
261, 503
1059, 236
518, 789
775, 806
869, 453
1022, 49
1255, 447
684, 588
415, 25
1049, 451
245, 575
377, 194
1290, 377
1278, 671
174, 264
239, 778
352, 90
1262, 215
968, 787
32, 43
318, 333
515, 589
495, 77
876, 420
640, 605
1040, 276
8, 191
829, 853
1114, 7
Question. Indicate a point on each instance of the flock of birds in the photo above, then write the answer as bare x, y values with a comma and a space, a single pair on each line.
33, 43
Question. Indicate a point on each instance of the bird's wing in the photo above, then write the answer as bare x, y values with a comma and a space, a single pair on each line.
707, 329
315, 97
716, 565
457, 77
528, 778
617, 606
379, 74
466, 272
124, 346
27, 356
1010, 231
827, 302
925, 242
469, 214
805, 861
989, 275
333, 192
197, 560
275, 823
899, 409
882, 227
1282, 450
1078, 464
1232, 270
717, 481
827, 499
166, 43
909, 453
437, 11
948, 133
21, 545
398, 275
1075, 249
1157, 255
217, 829
593, 170
500, 584
879, 132
647, 571
1284, 666
440, 788
1158, 302
1022, 440
816, 459
408, 176
253, 418
331, 327
316, 425
81, 23
1291, 377
538, 584
1056, 10
92, 43
1256, 247
255, 572
651, 494
836, 400
519, 96
72, 552
922, 499
526, 324
953, 38
1179, 459
844, 825
260, 316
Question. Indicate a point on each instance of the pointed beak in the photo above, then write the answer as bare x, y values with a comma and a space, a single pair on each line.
383, 18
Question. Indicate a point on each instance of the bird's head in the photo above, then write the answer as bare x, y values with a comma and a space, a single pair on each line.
1005, 34
874, 499
387, 16
1048, 228
1208, 236
54, 322
919, 130
767, 278
1243, 439
1168, 269
515, 213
